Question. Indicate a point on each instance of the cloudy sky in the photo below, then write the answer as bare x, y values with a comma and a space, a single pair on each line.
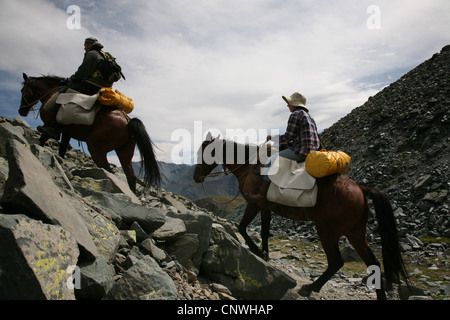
194, 65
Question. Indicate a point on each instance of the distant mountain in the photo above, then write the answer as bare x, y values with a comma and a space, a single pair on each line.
179, 178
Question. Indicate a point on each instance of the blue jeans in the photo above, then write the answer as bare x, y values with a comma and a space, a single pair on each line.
286, 153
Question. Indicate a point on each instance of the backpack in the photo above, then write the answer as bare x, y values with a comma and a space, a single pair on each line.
109, 69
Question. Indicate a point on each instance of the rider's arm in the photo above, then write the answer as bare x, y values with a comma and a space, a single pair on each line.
87, 68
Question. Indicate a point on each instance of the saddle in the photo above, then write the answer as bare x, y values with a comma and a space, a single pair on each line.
291, 184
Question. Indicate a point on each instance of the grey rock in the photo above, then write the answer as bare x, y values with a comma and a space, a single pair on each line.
96, 279
34, 259
117, 185
8, 131
141, 235
244, 274
185, 250
149, 246
172, 230
200, 224
144, 281
30, 189
122, 209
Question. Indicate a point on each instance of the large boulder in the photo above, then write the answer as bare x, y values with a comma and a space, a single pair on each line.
196, 240
96, 279
30, 190
124, 212
117, 185
35, 259
105, 234
172, 230
246, 275
8, 131
145, 280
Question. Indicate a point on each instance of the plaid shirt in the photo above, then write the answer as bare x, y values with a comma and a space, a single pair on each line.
301, 134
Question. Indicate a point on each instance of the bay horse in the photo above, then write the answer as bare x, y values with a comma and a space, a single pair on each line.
111, 130
342, 209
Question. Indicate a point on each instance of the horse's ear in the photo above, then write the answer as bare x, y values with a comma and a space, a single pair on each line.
209, 137
25, 77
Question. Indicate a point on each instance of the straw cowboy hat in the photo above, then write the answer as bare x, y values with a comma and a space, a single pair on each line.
296, 100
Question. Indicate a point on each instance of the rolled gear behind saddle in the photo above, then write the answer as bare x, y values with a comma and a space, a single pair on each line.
324, 163
114, 98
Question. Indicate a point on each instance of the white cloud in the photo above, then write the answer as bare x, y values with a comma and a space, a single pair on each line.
228, 63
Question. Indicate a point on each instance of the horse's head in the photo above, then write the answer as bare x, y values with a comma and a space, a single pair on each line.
205, 158
35, 90
29, 95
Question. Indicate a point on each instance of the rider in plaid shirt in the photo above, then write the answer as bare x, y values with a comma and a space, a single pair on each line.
301, 134
301, 138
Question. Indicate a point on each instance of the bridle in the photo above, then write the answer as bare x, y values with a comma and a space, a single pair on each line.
31, 105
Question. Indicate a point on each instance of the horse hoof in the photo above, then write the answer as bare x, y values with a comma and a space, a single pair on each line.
305, 290
264, 255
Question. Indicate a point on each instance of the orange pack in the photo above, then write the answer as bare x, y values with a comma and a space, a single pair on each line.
109, 97
324, 163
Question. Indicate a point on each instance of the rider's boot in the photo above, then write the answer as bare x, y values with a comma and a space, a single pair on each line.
260, 197
50, 129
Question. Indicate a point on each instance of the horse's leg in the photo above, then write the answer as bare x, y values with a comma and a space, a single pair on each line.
250, 213
265, 229
335, 262
125, 154
43, 139
369, 258
100, 159
357, 238
65, 139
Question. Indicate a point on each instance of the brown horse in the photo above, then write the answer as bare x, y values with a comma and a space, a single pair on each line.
111, 130
342, 210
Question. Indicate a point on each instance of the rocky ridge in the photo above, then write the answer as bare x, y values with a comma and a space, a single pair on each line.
399, 142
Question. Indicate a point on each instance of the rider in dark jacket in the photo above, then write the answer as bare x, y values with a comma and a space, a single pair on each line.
86, 80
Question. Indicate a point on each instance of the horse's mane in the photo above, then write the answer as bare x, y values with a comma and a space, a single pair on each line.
50, 77
235, 152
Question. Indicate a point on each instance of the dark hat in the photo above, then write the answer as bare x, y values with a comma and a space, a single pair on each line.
90, 40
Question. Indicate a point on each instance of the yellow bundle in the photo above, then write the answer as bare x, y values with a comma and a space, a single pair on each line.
108, 97
324, 163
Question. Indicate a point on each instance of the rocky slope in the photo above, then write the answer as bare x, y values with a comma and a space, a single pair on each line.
399, 141
69, 230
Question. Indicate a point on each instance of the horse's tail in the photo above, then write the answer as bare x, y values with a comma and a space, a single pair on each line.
392, 258
145, 145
